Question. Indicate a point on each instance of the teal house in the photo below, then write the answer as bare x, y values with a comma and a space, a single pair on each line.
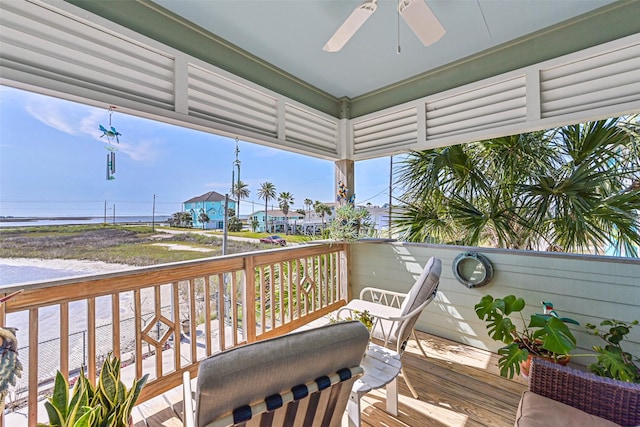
212, 204
275, 221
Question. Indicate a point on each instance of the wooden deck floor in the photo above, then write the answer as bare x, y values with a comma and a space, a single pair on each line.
457, 386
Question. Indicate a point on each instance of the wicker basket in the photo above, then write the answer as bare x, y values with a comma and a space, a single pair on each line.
613, 400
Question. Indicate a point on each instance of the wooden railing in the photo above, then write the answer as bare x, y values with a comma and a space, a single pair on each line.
163, 320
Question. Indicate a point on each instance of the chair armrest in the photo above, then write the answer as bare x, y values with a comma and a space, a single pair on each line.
382, 296
188, 416
379, 311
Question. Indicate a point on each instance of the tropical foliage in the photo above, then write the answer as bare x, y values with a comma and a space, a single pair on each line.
267, 191
109, 403
181, 219
322, 210
285, 200
546, 335
203, 218
349, 223
612, 360
573, 189
308, 204
234, 224
241, 191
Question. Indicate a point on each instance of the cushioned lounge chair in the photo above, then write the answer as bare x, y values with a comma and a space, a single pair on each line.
284, 381
395, 314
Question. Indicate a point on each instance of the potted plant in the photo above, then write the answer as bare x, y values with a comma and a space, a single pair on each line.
10, 365
546, 335
349, 223
363, 317
186, 326
612, 361
109, 403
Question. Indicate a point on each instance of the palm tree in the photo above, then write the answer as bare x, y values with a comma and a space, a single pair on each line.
241, 191
569, 189
322, 210
308, 203
203, 218
285, 200
267, 191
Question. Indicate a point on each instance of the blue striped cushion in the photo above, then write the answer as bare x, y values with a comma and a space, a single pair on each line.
244, 413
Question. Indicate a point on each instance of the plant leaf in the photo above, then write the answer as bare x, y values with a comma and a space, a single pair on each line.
559, 338
512, 356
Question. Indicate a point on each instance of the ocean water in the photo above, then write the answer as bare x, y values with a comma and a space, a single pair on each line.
15, 222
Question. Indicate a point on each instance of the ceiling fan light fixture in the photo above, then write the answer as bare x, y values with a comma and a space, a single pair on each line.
421, 20
350, 26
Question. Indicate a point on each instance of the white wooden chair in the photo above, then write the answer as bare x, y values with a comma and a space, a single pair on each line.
287, 381
394, 313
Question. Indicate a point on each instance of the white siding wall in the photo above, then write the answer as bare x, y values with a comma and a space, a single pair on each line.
586, 288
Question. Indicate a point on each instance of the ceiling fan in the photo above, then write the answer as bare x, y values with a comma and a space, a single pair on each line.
416, 14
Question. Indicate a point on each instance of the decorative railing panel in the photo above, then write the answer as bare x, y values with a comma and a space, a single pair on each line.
163, 320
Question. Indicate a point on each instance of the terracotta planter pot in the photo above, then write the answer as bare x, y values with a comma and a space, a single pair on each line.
526, 365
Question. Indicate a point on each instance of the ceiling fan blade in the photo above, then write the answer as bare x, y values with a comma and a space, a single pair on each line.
422, 21
350, 26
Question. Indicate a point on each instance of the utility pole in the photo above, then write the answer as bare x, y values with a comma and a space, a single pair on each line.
105, 212
226, 224
235, 185
114, 213
153, 215
390, 192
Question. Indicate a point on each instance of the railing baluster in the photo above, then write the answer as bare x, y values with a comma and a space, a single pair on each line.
249, 300
263, 300
289, 290
234, 307
221, 313
115, 324
281, 293
33, 366
273, 283
298, 286
64, 339
332, 282
91, 340
207, 315
158, 312
137, 308
192, 320
177, 325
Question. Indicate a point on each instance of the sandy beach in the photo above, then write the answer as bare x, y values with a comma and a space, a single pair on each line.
83, 266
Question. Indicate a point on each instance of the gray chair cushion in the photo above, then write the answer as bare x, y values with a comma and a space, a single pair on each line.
249, 373
424, 288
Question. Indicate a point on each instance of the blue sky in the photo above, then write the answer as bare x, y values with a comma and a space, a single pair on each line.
53, 162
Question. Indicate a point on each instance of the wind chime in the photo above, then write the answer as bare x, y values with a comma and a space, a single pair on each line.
112, 134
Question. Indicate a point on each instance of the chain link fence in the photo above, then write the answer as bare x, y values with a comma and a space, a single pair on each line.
49, 354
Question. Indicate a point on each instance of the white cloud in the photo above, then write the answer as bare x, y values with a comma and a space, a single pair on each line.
51, 114
84, 121
142, 151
